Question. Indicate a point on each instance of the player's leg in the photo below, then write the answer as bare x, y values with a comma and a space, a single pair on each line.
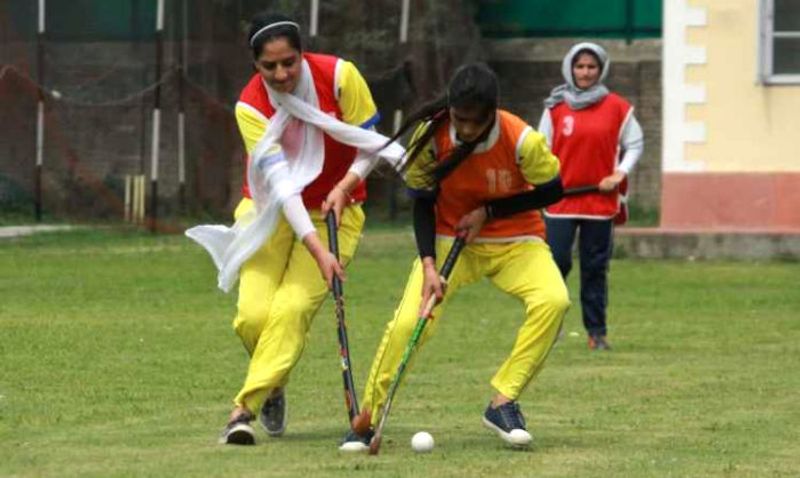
525, 270
259, 279
560, 238
296, 300
274, 415
398, 333
594, 246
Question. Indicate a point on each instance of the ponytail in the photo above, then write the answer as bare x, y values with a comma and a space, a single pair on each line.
472, 86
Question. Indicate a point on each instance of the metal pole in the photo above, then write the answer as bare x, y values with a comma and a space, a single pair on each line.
40, 111
314, 23
405, 13
630, 9
181, 109
128, 190
156, 117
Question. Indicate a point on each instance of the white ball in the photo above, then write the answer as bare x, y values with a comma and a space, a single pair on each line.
422, 442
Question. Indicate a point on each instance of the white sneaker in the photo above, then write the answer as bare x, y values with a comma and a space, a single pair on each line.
509, 424
355, 443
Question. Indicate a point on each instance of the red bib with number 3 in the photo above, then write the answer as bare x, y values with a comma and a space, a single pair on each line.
587, 144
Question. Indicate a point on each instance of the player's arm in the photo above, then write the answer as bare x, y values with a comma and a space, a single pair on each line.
631, 141
423, 190
358, 108
546, 126
252, 125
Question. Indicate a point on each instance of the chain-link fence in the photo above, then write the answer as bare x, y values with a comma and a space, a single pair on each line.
98, 69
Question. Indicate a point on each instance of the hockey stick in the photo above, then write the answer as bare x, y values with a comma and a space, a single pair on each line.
581, 190
350, 399
447, 268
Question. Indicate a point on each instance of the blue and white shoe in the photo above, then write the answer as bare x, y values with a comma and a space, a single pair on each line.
507, 421
355, 443
273, 415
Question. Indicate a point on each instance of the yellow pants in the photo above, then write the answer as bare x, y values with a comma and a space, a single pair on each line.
280, 291
523, 269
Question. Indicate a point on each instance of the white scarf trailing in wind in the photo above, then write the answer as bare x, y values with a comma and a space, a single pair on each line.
287, 158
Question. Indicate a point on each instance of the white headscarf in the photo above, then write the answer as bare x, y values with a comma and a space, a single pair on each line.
575, 97
286, 159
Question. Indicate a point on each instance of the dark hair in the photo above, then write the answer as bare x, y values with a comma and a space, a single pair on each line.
472, 86
263, 19
586, 51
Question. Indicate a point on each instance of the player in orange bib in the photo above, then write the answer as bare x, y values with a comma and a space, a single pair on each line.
480, 171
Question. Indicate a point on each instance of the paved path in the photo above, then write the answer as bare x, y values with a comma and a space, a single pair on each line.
16, 231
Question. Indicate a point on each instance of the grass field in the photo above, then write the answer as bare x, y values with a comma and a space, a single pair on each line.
117, 359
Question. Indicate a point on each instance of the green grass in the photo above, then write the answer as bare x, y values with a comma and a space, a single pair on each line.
117, 358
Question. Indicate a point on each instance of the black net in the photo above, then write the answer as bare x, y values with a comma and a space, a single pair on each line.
96, 71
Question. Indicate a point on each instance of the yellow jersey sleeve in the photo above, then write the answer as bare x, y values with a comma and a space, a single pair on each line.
355, 99
252, 125
418, 176
536, 162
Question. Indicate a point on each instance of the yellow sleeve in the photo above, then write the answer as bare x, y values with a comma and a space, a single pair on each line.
355, 99
252, 125
418, 176
537, 163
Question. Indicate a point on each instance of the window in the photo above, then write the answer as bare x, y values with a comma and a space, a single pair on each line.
780, 41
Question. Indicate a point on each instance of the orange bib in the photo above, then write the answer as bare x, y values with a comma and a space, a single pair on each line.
484, 176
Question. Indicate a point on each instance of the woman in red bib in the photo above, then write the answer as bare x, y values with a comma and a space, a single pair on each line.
598, 141
307, 98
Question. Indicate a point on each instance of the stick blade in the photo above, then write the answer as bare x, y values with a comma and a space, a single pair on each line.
361, 422
375, 444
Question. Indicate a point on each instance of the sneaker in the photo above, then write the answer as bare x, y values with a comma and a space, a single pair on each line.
508, 422
273, 415
355, 443
238, 432
598, 342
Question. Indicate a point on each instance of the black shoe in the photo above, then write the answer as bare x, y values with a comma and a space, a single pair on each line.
355, 443
598, 342
508, 422
238, 432
273, 415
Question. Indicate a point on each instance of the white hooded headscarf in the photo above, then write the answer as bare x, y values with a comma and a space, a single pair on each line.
575, 97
